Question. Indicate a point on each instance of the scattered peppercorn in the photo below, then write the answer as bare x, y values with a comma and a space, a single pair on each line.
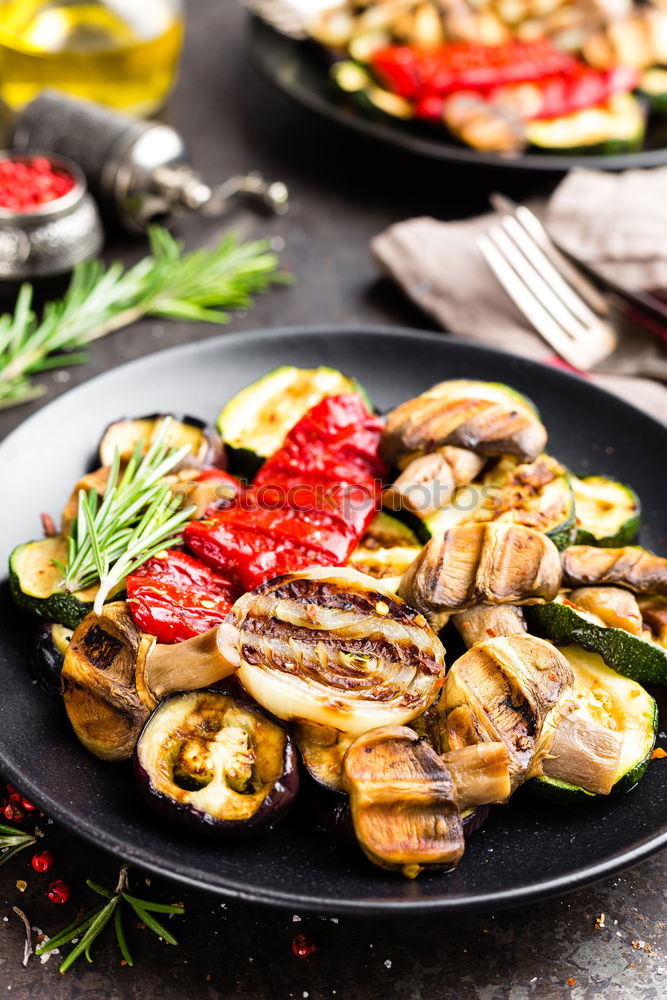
302, 947
43, 861
26, 185
58, 892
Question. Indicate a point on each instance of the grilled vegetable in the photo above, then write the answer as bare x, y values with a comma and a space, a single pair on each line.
335, 647
255, 422
114, 676
630, 566
616, 607
653, 89
49, 646
402, 800
214, 763
471, 564
429, 482
353, 79
481, 774
608, 512
322, 750
537, 494
486, 417
643, 658
604, 741
174, 596
486, 621
37, 583
488, 127
503, 690
653, 610
386, 550
611, 129
310, 503
124, 435
637, 39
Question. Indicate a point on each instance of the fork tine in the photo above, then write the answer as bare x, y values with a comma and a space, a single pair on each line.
532, 250
527, 303
569, 272
528, 272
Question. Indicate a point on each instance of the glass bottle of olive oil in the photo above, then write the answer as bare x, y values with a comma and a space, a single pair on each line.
119, 52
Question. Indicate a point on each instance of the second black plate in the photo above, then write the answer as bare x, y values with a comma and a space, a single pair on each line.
300, 71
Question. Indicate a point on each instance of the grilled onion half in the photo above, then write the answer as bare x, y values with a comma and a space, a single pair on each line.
332, 646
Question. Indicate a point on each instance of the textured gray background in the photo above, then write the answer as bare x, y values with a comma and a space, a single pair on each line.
344, 191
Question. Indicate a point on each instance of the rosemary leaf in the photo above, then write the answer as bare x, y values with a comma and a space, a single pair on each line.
201, 285
153, 923
120, 936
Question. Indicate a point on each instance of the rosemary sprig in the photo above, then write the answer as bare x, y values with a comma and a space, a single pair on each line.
12, 841
195, 286
89, 927
138, 516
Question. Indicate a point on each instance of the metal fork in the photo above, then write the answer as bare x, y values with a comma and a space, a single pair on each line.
563, 306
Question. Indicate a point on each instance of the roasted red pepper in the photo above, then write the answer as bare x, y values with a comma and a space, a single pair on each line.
414, 73
175, 596
558, 96
310, 502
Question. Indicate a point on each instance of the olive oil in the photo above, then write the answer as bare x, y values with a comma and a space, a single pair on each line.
123, 53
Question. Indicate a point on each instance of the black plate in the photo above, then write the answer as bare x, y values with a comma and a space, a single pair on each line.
300, 70
526, 850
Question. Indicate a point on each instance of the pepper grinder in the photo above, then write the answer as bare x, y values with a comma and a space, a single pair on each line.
136, 169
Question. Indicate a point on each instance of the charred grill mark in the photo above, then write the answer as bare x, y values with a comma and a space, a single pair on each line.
101, 648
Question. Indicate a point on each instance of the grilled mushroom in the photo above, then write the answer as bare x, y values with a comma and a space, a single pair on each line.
428, 482
631, 566
480, 773
503, 690
616, 607
486, 621
322, 750
492, 562
403, 804
114, 675
654, 616
332, 646
487, 418
583, 753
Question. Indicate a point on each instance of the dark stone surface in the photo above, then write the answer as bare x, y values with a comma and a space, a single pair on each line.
344, 191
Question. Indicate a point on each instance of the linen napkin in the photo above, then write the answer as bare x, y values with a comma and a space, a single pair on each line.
615, 222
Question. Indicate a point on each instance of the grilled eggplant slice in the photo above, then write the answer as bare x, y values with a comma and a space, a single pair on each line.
642, 658
503, 690
486, 417
471, 564
49, 646
37, 583
386, 550
608, 512
604, 740
255, 422
537, 494
630, 566
333, 646
214, 763
124, 435
402, 798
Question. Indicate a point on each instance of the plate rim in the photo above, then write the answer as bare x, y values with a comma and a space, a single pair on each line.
234, 889
260, 36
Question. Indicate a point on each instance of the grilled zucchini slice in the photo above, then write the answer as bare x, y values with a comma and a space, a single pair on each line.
643, 659
536, 494
608, 130
386, 550
36, 581
255, 422
608, 512
617, 704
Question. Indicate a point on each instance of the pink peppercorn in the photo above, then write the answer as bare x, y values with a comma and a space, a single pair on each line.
58, 892
26, 185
